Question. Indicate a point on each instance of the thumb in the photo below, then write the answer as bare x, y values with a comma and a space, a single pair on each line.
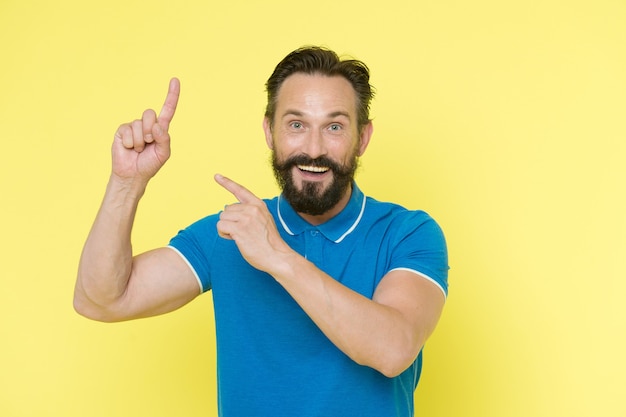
159, 134
161, 141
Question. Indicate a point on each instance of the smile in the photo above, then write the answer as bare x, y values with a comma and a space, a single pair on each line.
314, 169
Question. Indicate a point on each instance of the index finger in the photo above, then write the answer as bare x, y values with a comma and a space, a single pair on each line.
169, 107
241, 193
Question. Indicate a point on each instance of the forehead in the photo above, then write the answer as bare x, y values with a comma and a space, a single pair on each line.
316, 94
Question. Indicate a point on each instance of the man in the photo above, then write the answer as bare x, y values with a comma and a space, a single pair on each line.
323, 297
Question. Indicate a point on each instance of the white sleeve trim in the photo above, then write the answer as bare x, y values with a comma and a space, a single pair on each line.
195, 274
445, 296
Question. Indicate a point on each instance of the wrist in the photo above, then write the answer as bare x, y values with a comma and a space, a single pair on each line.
132, 188
288, 265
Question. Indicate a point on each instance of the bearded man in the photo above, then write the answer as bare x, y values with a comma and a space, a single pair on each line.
323, 297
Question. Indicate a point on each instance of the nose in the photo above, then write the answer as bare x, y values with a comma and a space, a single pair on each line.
315, 145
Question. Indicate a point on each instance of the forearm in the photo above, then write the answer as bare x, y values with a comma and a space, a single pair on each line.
369, 332
106, 260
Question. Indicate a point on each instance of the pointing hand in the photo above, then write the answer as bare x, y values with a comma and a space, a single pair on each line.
250, 224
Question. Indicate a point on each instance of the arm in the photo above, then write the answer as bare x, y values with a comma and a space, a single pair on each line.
112, 285
385, 333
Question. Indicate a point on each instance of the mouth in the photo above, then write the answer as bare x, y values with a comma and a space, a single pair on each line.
313, 169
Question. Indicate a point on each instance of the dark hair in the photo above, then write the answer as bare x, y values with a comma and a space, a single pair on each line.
318, 60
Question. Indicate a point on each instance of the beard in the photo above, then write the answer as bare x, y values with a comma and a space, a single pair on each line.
313, 199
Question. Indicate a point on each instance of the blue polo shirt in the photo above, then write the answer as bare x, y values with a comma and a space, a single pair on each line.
271, 358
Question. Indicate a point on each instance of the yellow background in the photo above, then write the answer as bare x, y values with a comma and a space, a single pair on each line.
506, 120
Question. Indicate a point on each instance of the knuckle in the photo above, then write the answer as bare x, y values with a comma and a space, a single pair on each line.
137, 124
123, 130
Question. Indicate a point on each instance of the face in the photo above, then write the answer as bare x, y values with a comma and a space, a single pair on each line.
315, 142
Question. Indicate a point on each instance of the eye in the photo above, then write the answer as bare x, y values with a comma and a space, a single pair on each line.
295, 125
335, 127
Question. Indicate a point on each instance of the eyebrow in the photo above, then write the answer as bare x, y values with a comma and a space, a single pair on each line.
330, 115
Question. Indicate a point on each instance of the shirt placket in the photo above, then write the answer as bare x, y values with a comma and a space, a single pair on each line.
314, 242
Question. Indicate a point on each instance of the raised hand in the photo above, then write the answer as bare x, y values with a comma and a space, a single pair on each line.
252, 227
141, 147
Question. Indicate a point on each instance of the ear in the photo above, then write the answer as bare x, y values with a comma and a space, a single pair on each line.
366, 135
269, 139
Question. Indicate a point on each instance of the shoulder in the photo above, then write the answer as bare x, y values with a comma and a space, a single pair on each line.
202, 225
399, 217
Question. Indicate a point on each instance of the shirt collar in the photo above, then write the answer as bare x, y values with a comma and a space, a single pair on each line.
335, 229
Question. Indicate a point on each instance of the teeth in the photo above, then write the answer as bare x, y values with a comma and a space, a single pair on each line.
313, 169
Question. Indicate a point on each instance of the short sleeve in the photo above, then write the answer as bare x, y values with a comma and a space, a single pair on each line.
195, 244
421, 248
